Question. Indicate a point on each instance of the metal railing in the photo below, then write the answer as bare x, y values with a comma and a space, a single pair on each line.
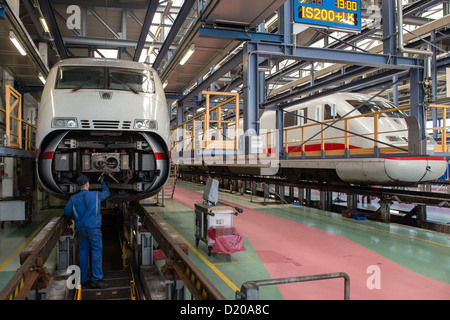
250, 289
442, 131
321, 138
17, 133
303, 136
212, 132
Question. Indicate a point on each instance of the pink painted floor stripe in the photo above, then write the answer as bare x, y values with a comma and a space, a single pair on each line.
291, 249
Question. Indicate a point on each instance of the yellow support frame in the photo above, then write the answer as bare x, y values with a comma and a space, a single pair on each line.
23, 131
443, 147
11, 108
204, 117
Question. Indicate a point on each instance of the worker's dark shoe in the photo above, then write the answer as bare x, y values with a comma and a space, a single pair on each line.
86, 284
98, 284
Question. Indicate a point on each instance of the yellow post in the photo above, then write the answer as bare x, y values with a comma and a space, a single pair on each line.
78, 293
322, 138
206, 119
236, 135
375, 129
347, 140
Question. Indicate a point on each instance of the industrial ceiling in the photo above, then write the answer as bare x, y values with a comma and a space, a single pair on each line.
161, 32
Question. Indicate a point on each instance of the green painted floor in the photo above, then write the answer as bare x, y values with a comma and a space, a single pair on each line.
226, 272
423, 251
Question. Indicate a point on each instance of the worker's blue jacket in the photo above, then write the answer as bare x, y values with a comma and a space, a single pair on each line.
85, 207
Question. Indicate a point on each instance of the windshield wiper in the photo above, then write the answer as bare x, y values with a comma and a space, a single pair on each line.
123, 83
87, 82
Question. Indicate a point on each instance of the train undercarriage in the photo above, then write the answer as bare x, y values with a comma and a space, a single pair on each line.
135, 165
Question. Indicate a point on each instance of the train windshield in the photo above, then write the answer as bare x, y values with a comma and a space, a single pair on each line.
80, 77
376, 106
77, 77
128, 79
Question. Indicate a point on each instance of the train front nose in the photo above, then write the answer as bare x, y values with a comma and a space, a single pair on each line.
135, 165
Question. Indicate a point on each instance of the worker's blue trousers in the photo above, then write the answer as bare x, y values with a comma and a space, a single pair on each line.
90, 241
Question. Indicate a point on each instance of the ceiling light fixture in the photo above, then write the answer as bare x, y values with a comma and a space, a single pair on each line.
44, 25
271, 20
41, 77
188, 54
14, 40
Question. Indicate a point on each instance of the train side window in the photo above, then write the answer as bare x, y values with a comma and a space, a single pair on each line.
304, 113
330, 112
300, 117
290, 119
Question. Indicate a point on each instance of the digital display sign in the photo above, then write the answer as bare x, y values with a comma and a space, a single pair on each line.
340, 14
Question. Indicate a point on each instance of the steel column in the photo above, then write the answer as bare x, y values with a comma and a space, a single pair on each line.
434, 83
390, 39
285, 21
251, 88
417, 97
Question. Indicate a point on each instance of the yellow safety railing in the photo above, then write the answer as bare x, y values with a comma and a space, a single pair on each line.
341, 136
185, 134
211, 132
17, 133
442, 147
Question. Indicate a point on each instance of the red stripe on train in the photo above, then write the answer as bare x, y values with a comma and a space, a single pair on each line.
419, 158
160, 156
47, 155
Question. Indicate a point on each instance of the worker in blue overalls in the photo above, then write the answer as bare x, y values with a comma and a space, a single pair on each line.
85, 207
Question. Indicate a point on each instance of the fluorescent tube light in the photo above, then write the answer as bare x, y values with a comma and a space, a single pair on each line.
271, 20
188, 54
41, 77
14, 40
44, 24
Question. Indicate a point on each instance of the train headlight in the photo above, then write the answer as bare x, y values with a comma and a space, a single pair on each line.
145, 124
64, 123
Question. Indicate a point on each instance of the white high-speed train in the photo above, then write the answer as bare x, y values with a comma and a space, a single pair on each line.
392, 127
105, 119
302, 125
